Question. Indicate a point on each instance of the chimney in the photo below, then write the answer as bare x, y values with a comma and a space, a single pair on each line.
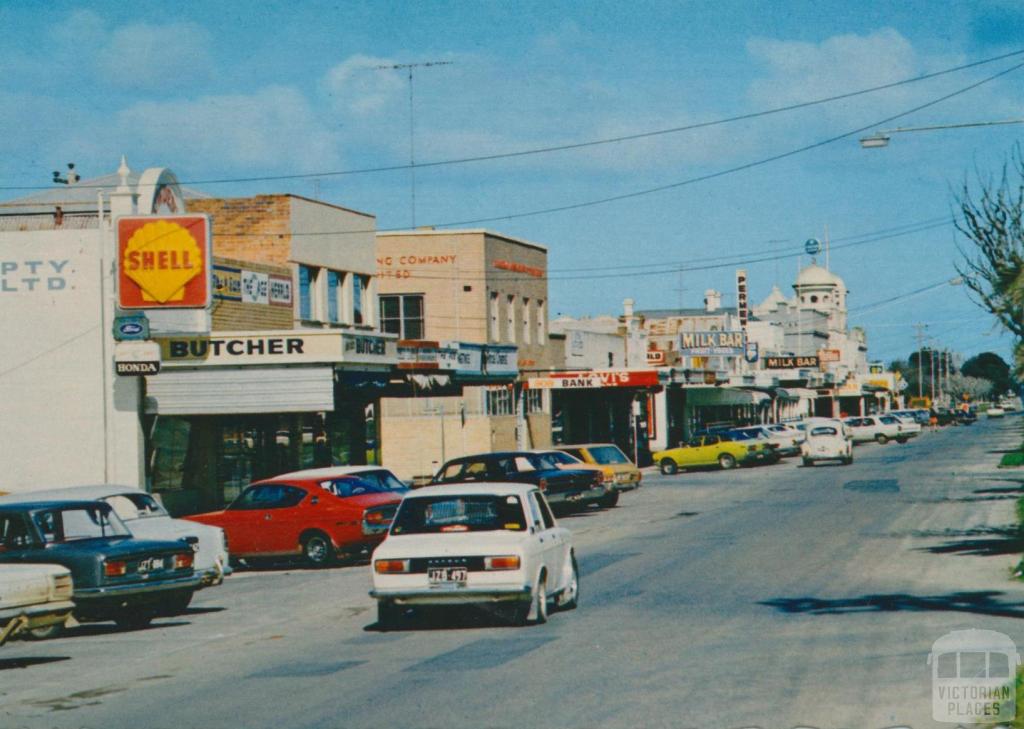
712, 300
627, 308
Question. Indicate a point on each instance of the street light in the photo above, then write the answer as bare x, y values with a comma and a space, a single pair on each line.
881, 137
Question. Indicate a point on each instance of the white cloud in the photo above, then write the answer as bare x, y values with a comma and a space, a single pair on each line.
149, 56
274, 128
358, 87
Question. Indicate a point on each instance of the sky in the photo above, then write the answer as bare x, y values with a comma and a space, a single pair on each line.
239, 90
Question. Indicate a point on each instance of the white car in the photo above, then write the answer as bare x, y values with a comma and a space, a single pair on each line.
909, 427
493, 544
785, 440
147, 519
995, 412
826, 443
33, 596
879, 428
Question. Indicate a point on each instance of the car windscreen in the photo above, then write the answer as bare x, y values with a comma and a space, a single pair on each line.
824, 431
354, 486
461, 513
563, 459
608, 455
741, 435
73, 524
135, 506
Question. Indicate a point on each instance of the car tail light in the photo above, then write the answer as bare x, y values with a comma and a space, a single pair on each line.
376, 517
184, 560
751, 449
63, 588
390, 566
505, 562
607, 478
543, 484
115, 568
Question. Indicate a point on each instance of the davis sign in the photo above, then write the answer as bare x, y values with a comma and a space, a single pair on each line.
163, 262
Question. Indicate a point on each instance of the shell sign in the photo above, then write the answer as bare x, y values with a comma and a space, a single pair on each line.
163, 262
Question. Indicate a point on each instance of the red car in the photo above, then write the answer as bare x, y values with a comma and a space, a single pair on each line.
312, 515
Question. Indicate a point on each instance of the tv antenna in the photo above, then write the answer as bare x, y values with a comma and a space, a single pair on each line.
408, 67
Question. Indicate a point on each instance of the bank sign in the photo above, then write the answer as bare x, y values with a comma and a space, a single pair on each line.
595, 379
163, 262
711, 344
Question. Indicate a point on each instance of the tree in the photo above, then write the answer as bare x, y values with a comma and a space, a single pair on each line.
974, 387
992, 220
990, 366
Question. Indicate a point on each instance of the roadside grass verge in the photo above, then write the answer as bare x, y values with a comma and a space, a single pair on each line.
1012, 460
1018, 720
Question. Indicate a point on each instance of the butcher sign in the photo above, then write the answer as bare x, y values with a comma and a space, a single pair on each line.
164, 262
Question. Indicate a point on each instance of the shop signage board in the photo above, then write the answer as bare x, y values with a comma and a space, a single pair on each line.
655, 357
595, 379
136, 359
255, 288
462, 358
131, 327
711, 344
501, 361
280, 290
227, 283
416, 354
829, 355
791, 363
279, 347
164, 262
742, 309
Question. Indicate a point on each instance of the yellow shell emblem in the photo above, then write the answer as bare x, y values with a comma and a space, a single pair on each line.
162, 257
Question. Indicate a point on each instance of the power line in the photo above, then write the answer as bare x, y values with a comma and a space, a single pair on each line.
579, 145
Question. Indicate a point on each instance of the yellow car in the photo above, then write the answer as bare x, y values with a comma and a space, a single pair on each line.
617, 468
708, 450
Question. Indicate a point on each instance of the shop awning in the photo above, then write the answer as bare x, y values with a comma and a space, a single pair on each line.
708, 396
795, 393
230, 390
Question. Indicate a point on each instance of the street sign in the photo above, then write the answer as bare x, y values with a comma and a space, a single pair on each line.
812, 246
130, 328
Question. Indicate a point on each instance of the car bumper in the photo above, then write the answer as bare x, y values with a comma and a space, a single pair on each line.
33, 616
752, 459
454, 596
87, 594
575, 497
214, 575
628, 482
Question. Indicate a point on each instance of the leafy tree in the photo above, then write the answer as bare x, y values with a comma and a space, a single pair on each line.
992, 220
990, 366
974, 387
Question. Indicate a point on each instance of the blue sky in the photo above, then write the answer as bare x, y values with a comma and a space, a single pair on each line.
233, 89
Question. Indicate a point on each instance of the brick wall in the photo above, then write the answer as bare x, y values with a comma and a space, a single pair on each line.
249, 228
238, 316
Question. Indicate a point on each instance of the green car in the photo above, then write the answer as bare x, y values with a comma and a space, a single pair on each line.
710, 450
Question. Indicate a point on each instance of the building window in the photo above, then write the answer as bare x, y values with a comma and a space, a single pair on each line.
358, 286
498, 401
307, 292
527, 326
333, 286
495, 326
542, 322
402, 314
814, 299
535, 402
510, 323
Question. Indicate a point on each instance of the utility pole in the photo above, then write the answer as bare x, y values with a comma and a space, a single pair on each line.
931, 373
412, 123
920, 342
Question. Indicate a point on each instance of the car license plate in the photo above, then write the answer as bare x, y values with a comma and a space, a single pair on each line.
151, 564
574, 497
447, 575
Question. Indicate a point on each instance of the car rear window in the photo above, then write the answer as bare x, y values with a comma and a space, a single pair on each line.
607, 455
824, 431
462, 513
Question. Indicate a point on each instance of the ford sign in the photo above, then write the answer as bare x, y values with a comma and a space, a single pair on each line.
127, 328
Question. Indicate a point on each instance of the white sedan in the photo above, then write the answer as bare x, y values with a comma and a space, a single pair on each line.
484, 543
826, 443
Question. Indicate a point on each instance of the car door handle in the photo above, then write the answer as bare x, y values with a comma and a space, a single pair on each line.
266, 517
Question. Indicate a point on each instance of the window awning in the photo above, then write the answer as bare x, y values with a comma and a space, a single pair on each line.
708, 396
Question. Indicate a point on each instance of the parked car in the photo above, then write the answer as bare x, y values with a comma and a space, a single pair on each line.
783, 432
826, 443
945, 416
561, 488
33, 597
995, 412
879, 428
966, 417
756, 435
611, 459
909, 427
567, 462
709, 450
116, 577
146, 518
318, 515
495, 544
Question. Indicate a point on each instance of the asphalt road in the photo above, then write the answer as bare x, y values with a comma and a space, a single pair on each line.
779, 596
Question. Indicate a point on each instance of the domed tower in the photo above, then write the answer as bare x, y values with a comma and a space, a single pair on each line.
819, 289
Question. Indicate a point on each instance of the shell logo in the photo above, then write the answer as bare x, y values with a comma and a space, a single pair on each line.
163, 262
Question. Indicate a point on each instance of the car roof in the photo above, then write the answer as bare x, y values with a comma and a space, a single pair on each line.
494, 488
325, 472
481, 456
46, 504
584, 445
74, 493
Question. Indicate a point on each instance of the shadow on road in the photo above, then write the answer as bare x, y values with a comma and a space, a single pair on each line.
6, 664
978, 603
1006, 540
81, 631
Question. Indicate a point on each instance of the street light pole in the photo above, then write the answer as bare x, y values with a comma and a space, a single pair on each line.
881, 138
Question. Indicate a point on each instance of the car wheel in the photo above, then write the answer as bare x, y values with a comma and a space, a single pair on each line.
317, 549
570, 596
47, 632
609, 500
901, 440
726, 461
387, 614
808, 462
134, 620
848, 460
177, 602
882, 438
536, 611
669, 467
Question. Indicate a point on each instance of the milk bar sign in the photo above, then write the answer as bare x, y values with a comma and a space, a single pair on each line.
706, 344
790, 363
